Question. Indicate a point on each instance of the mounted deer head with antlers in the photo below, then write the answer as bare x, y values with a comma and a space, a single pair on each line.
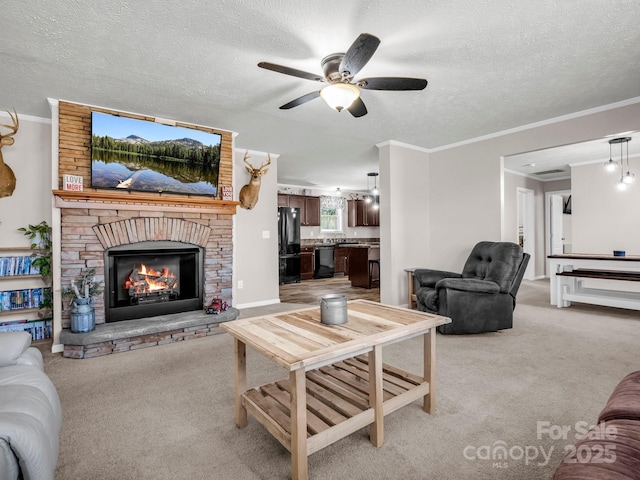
249, 193
7, 177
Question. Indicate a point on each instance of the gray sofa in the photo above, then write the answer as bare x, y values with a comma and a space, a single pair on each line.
30, 413
481, 298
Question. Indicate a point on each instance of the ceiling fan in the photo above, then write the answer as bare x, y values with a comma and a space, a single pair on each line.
342, 91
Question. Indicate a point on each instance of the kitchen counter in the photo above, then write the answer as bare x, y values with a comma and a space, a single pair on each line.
350, 258
359, 256
357, 245
312, 242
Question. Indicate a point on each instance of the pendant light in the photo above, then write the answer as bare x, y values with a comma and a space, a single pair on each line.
610, 165
367, 197
627, 178
374, 192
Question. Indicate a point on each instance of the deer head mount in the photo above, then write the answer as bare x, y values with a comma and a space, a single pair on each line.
249, 193
7, 177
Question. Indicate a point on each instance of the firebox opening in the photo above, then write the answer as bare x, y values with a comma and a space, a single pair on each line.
153, 278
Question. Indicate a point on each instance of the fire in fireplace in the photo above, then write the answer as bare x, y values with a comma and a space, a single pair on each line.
152, 278
146, 285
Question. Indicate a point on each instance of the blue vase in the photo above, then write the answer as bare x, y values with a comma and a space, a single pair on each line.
83, 318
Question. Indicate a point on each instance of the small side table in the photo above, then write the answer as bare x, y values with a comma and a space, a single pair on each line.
412, 302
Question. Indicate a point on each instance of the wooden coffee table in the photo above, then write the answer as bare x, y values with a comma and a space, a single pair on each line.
337, 382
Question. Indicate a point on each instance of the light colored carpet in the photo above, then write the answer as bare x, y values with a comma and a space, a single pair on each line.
167, 412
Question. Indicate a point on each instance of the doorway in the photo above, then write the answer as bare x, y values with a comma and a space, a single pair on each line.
557, 241
526, 228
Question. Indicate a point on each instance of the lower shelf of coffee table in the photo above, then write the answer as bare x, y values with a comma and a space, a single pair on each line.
337, 401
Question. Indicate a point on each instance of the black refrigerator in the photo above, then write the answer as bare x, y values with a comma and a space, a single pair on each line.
289, 244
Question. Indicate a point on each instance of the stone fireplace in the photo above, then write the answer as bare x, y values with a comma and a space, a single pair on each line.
196, 245
146, 279
185, 243
104, 238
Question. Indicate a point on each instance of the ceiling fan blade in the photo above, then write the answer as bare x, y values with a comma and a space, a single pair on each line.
300, 100
359, 53
291, 71
357, 108
392, 83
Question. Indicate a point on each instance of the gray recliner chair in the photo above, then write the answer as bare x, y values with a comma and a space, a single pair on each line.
481, 298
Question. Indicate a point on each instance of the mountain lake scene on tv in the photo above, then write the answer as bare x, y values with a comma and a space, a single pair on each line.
150, 157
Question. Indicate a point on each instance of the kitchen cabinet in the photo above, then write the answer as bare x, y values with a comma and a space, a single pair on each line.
312, 211
309, 208
362, 214
306, 263
283, 200
341, 260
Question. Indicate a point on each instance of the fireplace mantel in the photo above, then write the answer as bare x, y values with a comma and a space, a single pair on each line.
100, 199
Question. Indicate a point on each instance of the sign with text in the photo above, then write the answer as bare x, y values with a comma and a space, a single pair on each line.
72, 183
227, 193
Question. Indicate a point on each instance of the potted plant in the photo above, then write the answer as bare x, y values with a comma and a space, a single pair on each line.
40, 236
83, 289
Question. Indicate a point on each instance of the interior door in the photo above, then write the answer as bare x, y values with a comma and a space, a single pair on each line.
526, 228
555, 227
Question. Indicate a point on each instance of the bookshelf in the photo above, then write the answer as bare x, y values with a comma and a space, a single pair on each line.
22, 290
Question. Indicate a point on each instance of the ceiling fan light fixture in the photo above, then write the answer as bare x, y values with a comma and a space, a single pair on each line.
340, 95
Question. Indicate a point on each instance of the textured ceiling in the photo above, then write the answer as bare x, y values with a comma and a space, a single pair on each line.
491, 66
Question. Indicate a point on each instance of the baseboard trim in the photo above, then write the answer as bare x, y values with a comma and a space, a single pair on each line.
258, 304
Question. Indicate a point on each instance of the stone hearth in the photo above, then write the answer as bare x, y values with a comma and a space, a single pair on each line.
142, 333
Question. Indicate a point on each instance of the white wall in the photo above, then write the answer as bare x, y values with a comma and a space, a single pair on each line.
603, 218
466, 202
256, 257
30, 159
405, 212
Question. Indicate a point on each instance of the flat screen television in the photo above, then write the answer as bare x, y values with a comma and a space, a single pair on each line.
145, 156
